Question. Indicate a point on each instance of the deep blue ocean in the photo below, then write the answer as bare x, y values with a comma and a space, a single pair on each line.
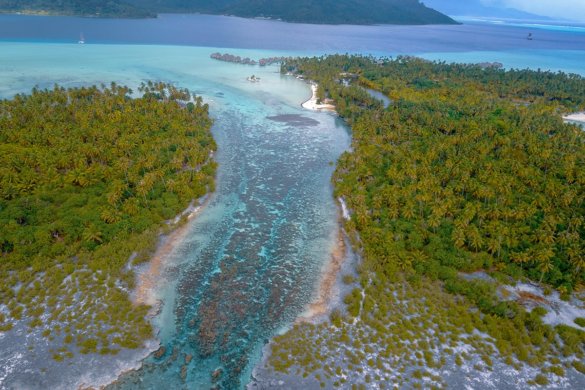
233, 32
250, 262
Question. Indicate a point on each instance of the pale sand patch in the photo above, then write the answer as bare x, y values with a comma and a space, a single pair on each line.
148, 280
577, 117
322, 302
312, 104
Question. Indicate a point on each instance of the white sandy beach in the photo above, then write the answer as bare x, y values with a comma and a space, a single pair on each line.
322, 302
577, 117
328, 293
312, 103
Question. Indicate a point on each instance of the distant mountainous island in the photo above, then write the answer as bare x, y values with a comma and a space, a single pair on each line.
477, 8
87, 8
301, 11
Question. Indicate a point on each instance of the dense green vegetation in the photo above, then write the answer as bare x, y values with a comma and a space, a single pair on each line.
405, 333
469, 169
89, 8
88, 178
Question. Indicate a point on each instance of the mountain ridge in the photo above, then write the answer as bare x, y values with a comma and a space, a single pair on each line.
361, 12
477, 8
85, 8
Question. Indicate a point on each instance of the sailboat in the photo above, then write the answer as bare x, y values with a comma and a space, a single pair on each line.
81, 39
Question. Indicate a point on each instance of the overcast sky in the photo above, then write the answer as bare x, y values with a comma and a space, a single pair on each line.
567, 9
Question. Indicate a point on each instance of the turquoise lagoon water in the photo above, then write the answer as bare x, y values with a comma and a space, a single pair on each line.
251, 259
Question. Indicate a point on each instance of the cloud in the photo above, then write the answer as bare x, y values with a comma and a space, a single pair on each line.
565, 9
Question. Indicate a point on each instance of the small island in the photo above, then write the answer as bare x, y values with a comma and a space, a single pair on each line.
85, 8
235, 59
463, 197
89, 180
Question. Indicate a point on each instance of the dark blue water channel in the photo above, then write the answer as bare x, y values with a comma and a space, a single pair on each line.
233, 32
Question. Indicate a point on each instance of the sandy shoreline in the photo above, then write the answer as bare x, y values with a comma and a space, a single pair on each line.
577, 117
312, 103
328, 297
322, 303
329, 282
331, 287
148, 279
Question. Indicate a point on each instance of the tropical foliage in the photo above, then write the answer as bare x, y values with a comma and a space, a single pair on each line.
470, 168
88, 177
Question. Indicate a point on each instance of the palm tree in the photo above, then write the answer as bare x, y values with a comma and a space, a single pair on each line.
92, 234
